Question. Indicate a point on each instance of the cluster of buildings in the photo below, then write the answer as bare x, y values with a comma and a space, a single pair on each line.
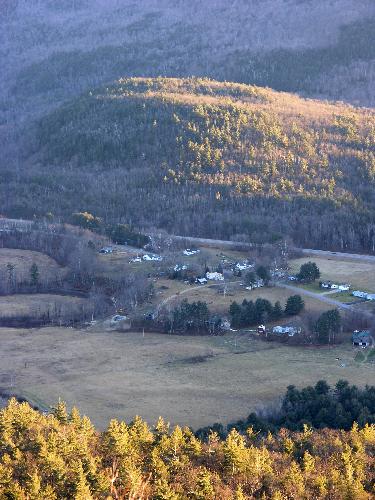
285, 330
146, 258
363, 295
243, 266
344, 287
257, 284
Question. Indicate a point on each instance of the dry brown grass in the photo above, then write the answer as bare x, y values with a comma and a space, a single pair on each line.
219, 303
120, 375
49, 270
35, 305
361, 275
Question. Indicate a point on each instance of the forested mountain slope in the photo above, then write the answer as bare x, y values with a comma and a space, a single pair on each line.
206, 158
53, 51
54, 47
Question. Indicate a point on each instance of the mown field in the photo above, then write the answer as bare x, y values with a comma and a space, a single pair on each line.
189, 380
360, 275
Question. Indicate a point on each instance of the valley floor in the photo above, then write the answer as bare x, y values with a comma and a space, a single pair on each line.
189, 380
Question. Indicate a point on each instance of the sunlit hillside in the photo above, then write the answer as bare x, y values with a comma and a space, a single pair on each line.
209, 158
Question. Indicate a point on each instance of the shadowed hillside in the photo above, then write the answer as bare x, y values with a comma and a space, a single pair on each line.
257, 171
210, 159
316, 47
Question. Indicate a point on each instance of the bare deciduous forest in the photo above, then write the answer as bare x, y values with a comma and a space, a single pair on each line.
52, 52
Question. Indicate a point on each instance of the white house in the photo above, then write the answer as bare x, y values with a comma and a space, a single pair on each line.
179, 267
242, 266
135, 259
215, 276
152, 257
344, 288
359, 294
189, 252
325, 284
201, 281
286, 330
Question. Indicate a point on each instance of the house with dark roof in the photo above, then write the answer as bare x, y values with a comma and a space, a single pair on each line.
362, 338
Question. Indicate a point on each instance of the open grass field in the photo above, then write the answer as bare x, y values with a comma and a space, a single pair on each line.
219, 303
34, 305
23, 259
360, 275
189, 380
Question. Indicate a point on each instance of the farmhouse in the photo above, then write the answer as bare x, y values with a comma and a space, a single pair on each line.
334, 286
344, 288
135, 259
361, 338
242, 266
157, 258
201, 281
215, 276
325, 284
218, 324
286, 330
179, 267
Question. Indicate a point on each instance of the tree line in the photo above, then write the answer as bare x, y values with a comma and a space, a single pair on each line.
61, 455
320, 406
262, 310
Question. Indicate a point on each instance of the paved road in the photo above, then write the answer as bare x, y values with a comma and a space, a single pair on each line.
307, 251
341, 255
318, 296
324, 298
27, 224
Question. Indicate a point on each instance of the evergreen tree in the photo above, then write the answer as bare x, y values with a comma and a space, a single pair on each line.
294, 305
264, 274
277, 311
34, 274
328, 326
309, 272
